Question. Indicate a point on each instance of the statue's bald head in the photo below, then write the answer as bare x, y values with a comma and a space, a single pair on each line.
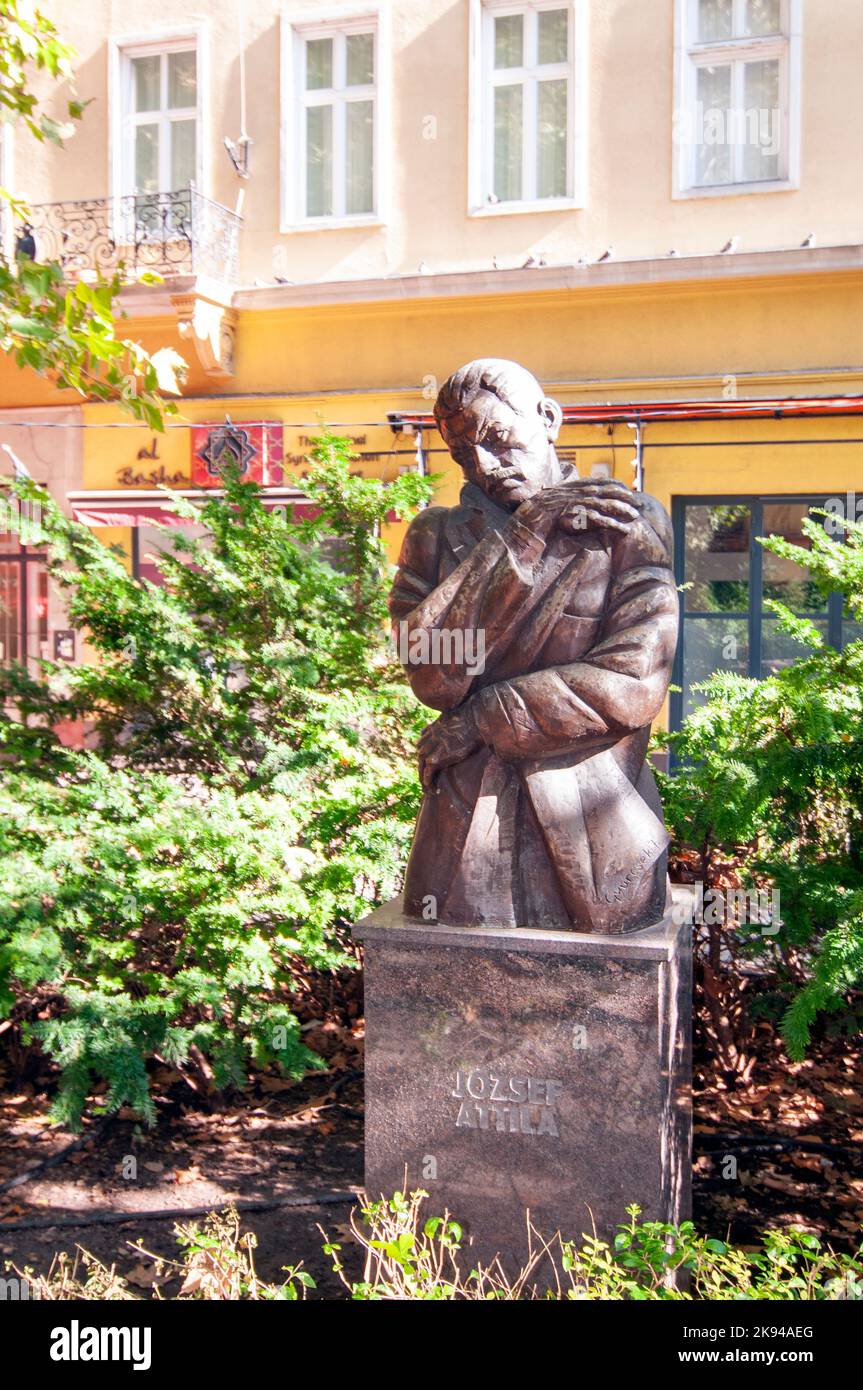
507, 380
500, 428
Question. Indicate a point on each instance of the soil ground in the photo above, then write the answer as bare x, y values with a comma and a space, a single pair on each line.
283, 1139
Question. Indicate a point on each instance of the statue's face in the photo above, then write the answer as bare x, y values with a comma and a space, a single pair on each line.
505, 450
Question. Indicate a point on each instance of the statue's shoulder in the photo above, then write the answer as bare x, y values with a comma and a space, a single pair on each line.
657, 517
430, 520
422, 542
652, 504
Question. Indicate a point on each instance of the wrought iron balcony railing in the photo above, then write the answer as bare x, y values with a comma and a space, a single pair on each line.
180, 233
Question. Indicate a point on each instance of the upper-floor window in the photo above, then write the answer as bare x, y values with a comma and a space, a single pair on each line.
737, 115
161, 118
335, 121
525, 105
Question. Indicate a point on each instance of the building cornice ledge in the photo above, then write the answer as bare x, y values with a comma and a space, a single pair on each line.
665, 270
148, 301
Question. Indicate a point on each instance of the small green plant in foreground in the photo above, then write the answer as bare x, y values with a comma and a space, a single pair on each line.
409, 1256
412, 1256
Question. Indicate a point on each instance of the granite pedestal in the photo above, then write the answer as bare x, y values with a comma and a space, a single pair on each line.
511, 1070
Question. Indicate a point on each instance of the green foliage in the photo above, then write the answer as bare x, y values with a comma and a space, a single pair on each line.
771, 775
29, 40
69, 334
163, 920
355, 508
251, 790
216, 1262
258, 660
412, 1256
66, 332
656, 1261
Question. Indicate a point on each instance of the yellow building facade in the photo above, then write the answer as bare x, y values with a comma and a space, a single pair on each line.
654, 207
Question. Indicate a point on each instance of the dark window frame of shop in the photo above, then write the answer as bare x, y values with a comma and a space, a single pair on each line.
754, 615
21, 558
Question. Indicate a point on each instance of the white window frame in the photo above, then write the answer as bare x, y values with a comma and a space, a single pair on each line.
121, 51
689, 54
338, 21
481, 109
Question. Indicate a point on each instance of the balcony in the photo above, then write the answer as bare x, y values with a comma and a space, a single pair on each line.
167, 234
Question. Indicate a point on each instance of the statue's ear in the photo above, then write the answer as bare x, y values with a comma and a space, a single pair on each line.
553, 416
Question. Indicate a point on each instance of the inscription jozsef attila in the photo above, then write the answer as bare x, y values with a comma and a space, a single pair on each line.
509, 1104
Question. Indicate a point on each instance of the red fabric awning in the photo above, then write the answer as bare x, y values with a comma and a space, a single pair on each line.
130, 515
134, 508
792, 407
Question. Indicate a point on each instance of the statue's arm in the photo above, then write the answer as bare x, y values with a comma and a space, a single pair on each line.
486, 592
616, 687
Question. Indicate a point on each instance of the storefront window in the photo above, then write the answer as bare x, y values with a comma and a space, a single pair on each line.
728, 577
10, 611
23, 604
149, 542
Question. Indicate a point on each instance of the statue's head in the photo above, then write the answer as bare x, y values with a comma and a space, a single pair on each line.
500, 428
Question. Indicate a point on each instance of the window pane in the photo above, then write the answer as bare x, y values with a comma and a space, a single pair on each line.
359, 157
713, 152
763, 17
762, 122
507, 142
552, 35
319, 161
10, 612
182, 79
852, 631
182, 153
551, 139
36, 637
146, 75
360, 59
509, 41
783, 580
319, 64
41, 605
153, 543
147, 159
716, 561
709, 645
714, 20
778, 650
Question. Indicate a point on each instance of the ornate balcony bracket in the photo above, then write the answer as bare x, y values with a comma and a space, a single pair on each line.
211, 325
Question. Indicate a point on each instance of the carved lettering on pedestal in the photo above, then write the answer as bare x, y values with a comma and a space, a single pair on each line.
508, 1104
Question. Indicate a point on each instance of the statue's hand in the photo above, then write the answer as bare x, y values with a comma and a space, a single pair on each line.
581, 505
450, 739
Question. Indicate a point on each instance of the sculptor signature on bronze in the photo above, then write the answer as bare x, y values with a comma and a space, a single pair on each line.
540, 617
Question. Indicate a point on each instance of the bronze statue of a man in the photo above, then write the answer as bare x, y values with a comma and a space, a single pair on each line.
540, 615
